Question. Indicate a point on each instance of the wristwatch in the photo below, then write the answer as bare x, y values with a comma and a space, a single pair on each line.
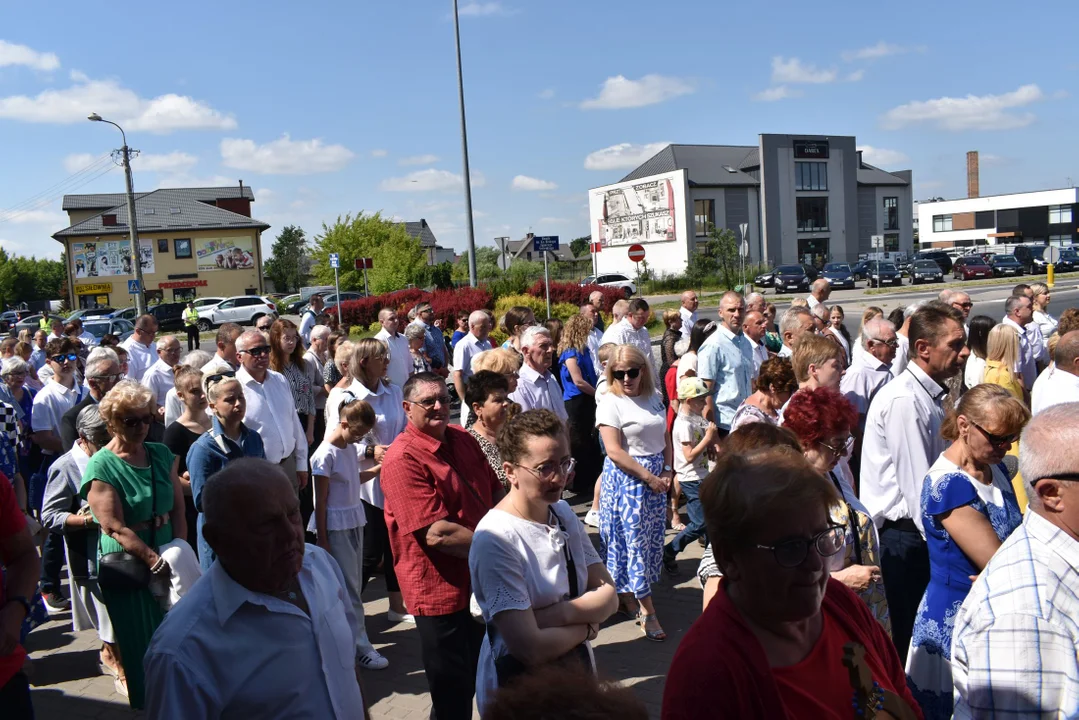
668, 468
22, 601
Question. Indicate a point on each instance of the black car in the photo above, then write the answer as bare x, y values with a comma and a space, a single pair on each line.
1005, 265
925, 271
793, 278
1069, 261
1031, 257
940, 257
765, 279
884, 273
860, 270
170, 316
839, 275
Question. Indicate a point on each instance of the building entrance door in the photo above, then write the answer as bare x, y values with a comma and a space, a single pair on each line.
813, 251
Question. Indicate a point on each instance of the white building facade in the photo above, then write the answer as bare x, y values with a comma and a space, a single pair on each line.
1043, 217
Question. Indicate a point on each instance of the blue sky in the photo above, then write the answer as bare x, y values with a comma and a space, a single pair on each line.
330, 108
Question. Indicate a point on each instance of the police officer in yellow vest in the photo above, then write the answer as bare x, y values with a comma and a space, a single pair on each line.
45, 323
191, 324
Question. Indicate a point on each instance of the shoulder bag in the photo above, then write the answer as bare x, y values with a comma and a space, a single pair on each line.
122, 571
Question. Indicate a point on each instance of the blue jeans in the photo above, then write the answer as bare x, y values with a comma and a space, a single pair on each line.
695, 528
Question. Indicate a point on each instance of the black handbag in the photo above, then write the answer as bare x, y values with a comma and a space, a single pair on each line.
508, 668
122, 571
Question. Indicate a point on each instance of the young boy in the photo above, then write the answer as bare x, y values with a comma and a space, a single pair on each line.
692, 436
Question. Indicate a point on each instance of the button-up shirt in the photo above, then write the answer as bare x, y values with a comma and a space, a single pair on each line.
538, 390
38, 358
467, 348
1053, 387
688, 321
50, 404
271, 413
400, 365
785, 352
426, 480
217, 364
139, 358
902, 441
226, 651
902, 356
1028, 366
863, 379
595, 337
433, 344
759, 353
1036, 338
88, 339
160, 379
726, 360
623, 333
1014, 646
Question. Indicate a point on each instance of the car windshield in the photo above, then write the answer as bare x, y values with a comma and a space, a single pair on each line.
790, 270
837, 267
886, 267
1006, 259
97, 329
973, 260
926, 265
1037, 251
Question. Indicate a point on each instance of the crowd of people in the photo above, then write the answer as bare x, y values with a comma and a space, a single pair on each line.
887, 519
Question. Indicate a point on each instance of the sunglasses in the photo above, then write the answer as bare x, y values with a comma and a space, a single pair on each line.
135, 420
443, 400
621, 375
218, 377
60, 359
258, 351
996, 440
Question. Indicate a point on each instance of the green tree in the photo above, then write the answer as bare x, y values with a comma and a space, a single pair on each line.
27, 278
486, 266
718, 259
398, 258
581, 246
288, 265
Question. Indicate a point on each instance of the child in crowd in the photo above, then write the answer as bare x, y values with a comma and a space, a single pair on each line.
692, 438
603, 355
338, 469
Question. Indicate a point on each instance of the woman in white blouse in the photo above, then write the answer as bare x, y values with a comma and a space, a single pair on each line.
977, 340
1045, 322
540, 585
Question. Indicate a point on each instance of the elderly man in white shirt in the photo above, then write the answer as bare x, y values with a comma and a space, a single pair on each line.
269, 631
1033, 329
819, 292
795, 322
754, 328
536, 387
688, 311
473, 343
902, 440
400, 365
630, 330
141, 353
158, 377
225, 357
595, 336
88, 339
1058, 383
271, 410
871, 369
1019, 314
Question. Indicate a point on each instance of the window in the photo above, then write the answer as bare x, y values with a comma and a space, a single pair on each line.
812, 214
891, 213
942, 223
810, 176
1060, 240
891, 242
1060, 214
704, 216
162, 245
183, 294
182, 247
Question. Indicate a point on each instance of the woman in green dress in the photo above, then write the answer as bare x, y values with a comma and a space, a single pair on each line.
119, 483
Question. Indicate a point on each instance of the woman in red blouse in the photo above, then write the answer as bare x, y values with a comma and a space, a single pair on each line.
781, 639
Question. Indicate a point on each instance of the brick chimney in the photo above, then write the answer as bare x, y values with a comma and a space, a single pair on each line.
972, 174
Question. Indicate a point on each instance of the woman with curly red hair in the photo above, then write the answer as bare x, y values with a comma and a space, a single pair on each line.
823, 419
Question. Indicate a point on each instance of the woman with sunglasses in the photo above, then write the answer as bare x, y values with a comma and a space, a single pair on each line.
541, 587
135, 496
781, 638
636, 476
227, 439
968, 510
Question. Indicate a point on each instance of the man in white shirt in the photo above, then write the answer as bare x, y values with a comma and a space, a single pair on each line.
595, 299
871, 369
269, 631
822, 318
819, 292
310, 318
225, 357
688, 311
473, 343
795, 322
159, 377
630, 330
88, 339
902, 336
400, 365
618, 312
1038, 345
595, 335
1019, 314
316, 355
902, 440
141, 353
536, 386
57, 327
1058, 383
754, 327
58, 395
271, 411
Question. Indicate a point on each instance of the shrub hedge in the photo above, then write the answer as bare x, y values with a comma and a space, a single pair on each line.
569, 292
446, 304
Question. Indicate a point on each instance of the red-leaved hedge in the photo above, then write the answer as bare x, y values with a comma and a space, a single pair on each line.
569, 292
446, 304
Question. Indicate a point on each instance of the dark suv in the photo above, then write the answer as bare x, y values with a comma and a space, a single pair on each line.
170, 316
1031, 257
938, 256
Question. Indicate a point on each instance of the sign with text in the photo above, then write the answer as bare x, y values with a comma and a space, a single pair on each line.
335, 260
111, 257
181, 284
545, 243
95, 289
811, 149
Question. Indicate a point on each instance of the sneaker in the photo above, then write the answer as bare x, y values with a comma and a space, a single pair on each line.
670, 563
373, 660
396, 617
55, 602
592, 519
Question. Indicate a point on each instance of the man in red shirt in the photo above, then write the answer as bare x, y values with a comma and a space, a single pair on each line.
21, 567
438, 486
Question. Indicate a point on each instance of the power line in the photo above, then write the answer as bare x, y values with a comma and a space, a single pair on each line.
70, 180
68, 186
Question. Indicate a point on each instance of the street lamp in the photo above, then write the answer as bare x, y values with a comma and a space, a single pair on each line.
132, 224
464, 147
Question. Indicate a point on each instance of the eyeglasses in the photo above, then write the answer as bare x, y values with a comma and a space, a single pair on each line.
258, 351
893, 343
1069, 476
443, 400
965, 306
547, 471
218, 377
842, 449
621, 375
996, 440
111, 377
135, 420
792, 553
60, 359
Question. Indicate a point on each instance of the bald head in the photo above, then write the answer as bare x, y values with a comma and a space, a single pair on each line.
1066, 353
945, 296
1049, 447
755, 326
690, 301
596, 298
821, 289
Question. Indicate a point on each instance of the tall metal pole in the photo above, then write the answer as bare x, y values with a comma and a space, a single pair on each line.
547, 284
464, 150
133, 228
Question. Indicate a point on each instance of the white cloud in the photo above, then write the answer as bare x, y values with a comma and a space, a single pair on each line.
523, 182
161, 114
622, 156
973, 112
418, 160
547, 94
429, 180
12, 54
621, 92
856, 76
552, 221
882, 157
379, 153
175, 161
795, 71
482, 9
284, 156
781, 92
52, 218
881, 49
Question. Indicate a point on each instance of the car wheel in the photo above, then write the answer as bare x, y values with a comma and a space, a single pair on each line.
204, 325
627, 292
255, 318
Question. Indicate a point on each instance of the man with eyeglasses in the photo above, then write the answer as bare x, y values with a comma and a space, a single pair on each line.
1015, 639
537, 388
159, 376
271, 410
141, 353
102, 373
438, 486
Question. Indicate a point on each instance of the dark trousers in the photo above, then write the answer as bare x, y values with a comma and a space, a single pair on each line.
52, 552
307, 494
15, 698
450, 648
904, 565
192, 337
581, 410
695, 528
376, 548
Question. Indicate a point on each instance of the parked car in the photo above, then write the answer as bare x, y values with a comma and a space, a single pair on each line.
613, 280
30, 322
884, 273
99, 327
284, 303
970, 267
1069, 261
794, 278
242, 309
860, 269
839, 275
940, 257
127, 313
88, 313
170, 316
1005, 265
922, 271
11, 317
332, 300
765, 279
1031, 257
205, 302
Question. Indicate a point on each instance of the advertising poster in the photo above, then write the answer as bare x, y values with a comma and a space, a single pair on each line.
229, 253
639, 212
105, 259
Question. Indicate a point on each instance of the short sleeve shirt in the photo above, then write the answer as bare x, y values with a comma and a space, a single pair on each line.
689, 429
642, 420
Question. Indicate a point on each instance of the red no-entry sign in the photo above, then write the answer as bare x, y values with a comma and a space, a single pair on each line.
636, 253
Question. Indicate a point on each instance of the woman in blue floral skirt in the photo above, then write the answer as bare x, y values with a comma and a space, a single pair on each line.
968, 510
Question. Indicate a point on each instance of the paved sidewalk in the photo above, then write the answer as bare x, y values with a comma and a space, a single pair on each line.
67, 684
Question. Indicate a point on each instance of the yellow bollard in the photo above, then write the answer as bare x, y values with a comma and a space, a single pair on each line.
1049, 276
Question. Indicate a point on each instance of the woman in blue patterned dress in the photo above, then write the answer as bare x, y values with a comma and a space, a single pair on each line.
636, 475
968, 510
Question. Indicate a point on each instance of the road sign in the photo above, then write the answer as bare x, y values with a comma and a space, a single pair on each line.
595, 247
545, 243
743, 249
1052, 254
132, 287
636, 253
335, 260
364, 264
877, 241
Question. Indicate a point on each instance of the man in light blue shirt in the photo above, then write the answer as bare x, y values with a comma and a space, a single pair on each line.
725, 363
434, 344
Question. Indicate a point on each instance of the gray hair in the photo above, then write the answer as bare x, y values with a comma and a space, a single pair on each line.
1043, 446
414, 332
320, 331
915, 307
754, 298
412, 313
249, 339
91, 427
792, 319
821, 311
196, 359
15, 364
528, 336
1013, 302
164, 341
477, 317
98, 358
946, 296
874, 328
